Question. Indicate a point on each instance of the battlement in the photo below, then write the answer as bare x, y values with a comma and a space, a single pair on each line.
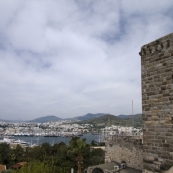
157, 46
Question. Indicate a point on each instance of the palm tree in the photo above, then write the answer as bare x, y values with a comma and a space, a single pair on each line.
77, 145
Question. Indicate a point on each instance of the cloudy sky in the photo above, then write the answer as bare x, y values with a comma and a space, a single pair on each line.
69, 58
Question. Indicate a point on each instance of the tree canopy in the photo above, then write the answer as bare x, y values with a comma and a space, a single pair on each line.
57, 158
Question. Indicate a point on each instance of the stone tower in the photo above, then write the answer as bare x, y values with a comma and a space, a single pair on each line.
157, 104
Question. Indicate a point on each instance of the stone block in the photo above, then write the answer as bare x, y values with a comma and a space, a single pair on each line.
156, 111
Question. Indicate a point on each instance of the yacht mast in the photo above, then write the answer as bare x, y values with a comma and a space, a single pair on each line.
132, 120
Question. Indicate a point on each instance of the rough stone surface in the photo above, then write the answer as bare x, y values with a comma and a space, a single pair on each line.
157, 104
126, 149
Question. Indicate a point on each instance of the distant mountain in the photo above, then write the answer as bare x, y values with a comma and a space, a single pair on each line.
136, 117
50, 118
123, 116
108, 119
105, 120
45, 119
1, 120
10, 121
87, 116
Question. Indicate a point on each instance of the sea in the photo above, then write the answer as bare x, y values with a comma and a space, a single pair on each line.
39, 140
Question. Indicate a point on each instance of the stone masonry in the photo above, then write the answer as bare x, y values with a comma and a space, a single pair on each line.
126, 149
157, 104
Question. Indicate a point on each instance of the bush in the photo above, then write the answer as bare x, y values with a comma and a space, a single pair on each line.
41, 167
7, 171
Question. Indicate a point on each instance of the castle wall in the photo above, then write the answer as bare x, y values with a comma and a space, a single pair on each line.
125, 149
157, 104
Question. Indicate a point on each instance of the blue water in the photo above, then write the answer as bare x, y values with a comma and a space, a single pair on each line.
53, 140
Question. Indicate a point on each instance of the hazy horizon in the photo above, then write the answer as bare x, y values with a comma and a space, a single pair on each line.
61, 118
67, 58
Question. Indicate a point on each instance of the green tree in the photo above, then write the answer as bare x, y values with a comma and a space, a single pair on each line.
93, 143
97, 156
5, 153
77, 145
18, 153
47, 148
76, 148
56, 148
37, 153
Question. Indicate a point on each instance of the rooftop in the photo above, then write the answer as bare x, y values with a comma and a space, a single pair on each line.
110, 167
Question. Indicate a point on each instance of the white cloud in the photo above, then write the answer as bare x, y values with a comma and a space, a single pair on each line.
68, 58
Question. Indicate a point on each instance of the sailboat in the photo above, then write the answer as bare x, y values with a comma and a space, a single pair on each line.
53, 142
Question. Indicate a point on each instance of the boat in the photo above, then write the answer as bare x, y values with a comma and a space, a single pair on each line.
34, 145
20, 142
6, 140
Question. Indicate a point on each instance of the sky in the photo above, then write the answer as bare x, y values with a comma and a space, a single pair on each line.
69, 58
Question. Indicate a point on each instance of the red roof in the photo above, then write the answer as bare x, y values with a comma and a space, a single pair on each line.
18, 165
2, 167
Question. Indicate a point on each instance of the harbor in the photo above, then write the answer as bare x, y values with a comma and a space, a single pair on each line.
39, 140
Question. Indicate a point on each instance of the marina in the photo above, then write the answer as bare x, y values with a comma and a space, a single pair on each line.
38, 140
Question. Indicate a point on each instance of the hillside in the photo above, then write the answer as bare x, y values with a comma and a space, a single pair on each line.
45, 119
113, 120
98, 118
87, 116
136, 117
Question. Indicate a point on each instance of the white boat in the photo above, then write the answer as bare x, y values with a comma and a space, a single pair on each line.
6, 140
20, 142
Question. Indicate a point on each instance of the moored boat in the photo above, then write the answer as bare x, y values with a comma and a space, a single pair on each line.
20, 142
6, 140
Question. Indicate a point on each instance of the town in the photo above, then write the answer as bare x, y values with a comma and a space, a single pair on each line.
62, 128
